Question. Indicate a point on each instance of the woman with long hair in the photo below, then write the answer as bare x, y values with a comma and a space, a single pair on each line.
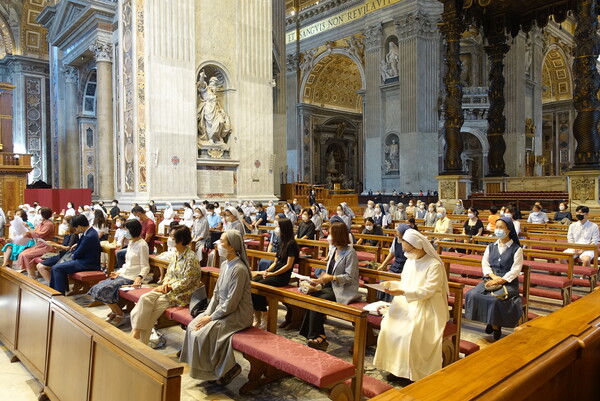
280, 271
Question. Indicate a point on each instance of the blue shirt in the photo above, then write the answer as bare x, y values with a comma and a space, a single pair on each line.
213, 220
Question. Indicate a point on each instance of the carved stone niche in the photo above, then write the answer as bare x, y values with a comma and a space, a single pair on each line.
213, 123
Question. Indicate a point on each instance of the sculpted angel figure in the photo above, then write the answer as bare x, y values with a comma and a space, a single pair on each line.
213, 122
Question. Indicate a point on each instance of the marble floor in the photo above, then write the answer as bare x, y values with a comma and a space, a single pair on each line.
16, 384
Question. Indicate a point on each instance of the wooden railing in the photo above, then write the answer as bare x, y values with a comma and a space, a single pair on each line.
15, 159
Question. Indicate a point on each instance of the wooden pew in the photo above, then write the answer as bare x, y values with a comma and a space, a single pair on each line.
76, 355
554, 357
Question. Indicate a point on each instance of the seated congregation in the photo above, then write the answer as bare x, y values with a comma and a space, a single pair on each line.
405, 273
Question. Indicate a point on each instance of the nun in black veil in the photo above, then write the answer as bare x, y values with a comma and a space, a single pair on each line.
496, 301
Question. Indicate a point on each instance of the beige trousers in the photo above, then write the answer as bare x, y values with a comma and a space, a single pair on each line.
147, 311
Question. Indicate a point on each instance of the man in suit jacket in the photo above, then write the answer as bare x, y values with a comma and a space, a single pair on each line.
86, 255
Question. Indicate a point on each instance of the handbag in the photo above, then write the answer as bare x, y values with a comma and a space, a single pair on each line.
497, 290
67, 257
199, 301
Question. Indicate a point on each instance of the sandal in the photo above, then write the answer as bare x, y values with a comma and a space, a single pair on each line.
117, 320
110, 317
229, 376
319, 343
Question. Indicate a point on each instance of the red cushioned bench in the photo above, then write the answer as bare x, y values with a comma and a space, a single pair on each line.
83, 281
284, 357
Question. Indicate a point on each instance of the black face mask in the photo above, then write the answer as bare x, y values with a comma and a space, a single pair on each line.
580, 216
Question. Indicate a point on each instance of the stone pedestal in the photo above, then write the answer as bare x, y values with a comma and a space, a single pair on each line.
584, 188
217, 178
494, 184
453, 187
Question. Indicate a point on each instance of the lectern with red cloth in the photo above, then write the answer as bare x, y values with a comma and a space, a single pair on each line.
57, 199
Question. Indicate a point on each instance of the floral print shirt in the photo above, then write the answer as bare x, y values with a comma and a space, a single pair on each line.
183, 276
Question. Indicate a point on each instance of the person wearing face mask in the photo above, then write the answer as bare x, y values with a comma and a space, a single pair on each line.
70, 238
410, 209
563, 216
233, 220
347, 210
370, 229
317, 219
431, 216
271, 211
188, 215
149, 213
182, 278
70, 211
288, 210
409, 344
342, 215
501, 264
214, 220
380, 217
473, 226
582, 231
511, 213
200, 232
339, 284
306, 228
261, 216
207, 344
278, 273
168, 216
537, 216
312, 197
392, 208
369, 210
12, 250
114, 210
401, 213
421, 211
86, 255
64, 226
443, 224
134, 270
459, 208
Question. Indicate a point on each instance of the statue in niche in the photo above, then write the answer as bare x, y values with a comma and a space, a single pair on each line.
214, 126
388, 67
528, 59
331, 163
391, 156
465, 73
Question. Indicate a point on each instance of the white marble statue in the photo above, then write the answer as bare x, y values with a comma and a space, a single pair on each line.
392, 58
213, 123
391, 156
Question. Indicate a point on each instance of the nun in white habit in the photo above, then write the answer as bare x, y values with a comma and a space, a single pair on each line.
207, 346
410, 341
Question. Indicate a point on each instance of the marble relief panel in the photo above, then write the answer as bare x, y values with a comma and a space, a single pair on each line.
33, 124
141, 87
128, 88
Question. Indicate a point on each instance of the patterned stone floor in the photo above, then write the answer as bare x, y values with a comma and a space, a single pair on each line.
340, 334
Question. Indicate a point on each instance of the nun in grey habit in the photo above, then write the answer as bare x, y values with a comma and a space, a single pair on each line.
207, 346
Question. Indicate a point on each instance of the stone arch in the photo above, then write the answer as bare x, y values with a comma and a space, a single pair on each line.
557, 79
334, 81
7, 41
215, 69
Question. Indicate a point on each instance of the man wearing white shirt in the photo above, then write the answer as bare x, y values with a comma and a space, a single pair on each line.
537, 216
583, 232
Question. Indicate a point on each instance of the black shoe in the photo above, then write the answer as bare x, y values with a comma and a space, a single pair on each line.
319, 343
489, 329
497, 333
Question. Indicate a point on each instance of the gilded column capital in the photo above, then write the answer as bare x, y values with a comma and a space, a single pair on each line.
71, 74
102, 51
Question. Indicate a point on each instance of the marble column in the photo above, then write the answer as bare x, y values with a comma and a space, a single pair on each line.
587, 85
104, 114
69, 145
452, 28
496, 51
372, 110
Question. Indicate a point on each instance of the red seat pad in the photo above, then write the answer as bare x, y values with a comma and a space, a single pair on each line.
313, 366
466, 269
467, 347
365, 256
134, 295
549, 281
372, 387
94, 275
450, 329
180, 314
253, 243
211, 269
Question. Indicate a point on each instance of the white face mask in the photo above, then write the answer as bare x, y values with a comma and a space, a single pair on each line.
119, 224
377, 210
471, 215
340, 213
330, 239
369, 228
170, 243
304, 217
499, 233
430, 209
410, 255
535, 213
421, 206
439, 215
509, 215
277, 231
222, 252
561, 207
